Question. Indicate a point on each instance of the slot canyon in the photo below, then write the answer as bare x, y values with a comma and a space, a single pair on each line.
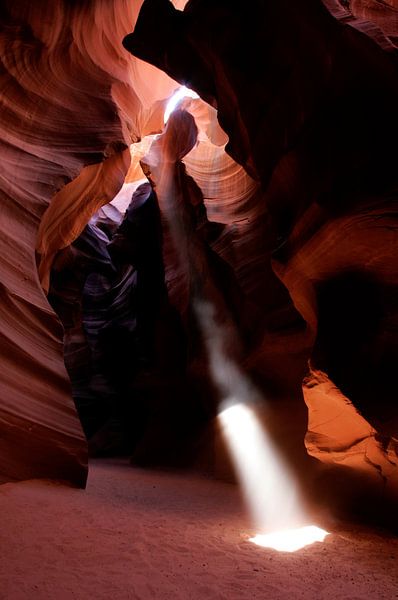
199, 315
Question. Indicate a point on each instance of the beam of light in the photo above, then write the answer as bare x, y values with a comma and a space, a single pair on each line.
290, 540
182, 92
269, 490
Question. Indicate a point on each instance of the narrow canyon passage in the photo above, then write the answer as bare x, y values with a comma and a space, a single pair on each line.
138, 534
198, 299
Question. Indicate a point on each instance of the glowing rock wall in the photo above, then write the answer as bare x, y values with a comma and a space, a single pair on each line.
71, 99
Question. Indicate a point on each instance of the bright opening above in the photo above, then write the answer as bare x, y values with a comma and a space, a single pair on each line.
182, 92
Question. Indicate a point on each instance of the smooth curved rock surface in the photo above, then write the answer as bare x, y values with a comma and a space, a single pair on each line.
382, 12
338, 435
375, 18
69, 104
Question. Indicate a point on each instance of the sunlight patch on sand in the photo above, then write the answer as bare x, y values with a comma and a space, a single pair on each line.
290, 540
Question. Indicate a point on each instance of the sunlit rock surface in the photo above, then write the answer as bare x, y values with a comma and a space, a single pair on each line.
70, 102
338, 435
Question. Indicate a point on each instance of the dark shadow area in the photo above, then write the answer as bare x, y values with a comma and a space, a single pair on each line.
125, 345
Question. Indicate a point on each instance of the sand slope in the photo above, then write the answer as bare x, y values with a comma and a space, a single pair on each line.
142, 535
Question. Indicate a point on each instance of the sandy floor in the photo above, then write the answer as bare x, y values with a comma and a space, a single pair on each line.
142, 535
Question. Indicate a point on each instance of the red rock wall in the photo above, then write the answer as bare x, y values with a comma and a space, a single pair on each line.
382, 12
375, 18
71, 98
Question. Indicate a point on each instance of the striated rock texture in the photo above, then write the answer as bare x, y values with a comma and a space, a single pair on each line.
375, 18
382, 12
69, 105
309, 105
87, 257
